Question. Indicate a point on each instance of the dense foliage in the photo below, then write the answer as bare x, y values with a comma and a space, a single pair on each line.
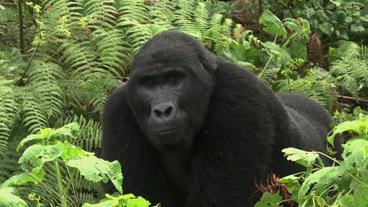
59, 59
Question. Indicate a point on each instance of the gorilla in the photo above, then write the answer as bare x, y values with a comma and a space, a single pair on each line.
192, 130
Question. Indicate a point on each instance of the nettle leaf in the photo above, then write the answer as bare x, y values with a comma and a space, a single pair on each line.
275, 50
359, 126
272, 24
298, 49
298, 26
301, 157
43, 135
292, 183
356, 153
8, 198
96, 169
36, 155
73, 152
127, 200
317, 179
35, 176
70, 131
269, 200
136, 202
108, 203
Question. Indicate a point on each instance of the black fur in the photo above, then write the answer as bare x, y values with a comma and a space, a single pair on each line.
234, 129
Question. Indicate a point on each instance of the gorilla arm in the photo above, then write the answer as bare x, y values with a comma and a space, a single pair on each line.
125, 143
237, 144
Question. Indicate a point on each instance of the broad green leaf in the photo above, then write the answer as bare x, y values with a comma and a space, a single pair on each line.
70, 131
300, 27
272, 24
73, 152
29, 138
36, 155
298, 49
292, 183
359, 126
317, 179
96, 169
301, 157
8, 198
269, 200
35, 176
326, 28
337, 2
136, 202
281, 54
107, 203
356, 153
127, 200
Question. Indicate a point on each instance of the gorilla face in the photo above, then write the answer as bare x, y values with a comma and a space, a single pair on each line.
169, 92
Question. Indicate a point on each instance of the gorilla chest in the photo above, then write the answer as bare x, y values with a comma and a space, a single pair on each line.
176, 167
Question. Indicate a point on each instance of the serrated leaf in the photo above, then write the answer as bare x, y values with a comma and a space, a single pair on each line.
301, 157
96, 169
272, 24
317, 179
35, 176
269, 200
8, 198
108, 203
36, 155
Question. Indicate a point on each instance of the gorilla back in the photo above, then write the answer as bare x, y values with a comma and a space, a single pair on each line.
193, 130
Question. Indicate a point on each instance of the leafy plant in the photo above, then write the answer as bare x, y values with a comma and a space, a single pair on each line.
53, 146
340, 185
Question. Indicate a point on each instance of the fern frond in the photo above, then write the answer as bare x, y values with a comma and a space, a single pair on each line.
9, 115
33, 117
113, 50
184, 18
100, 13
201, 18
79, 59
317, 87
90, 134
70, 10
351, 72
132, 12
43, 79
162, 13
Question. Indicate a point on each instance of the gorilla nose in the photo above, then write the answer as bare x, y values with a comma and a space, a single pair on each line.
163, 111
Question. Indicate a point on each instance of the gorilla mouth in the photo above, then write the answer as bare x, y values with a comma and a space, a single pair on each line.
165, 132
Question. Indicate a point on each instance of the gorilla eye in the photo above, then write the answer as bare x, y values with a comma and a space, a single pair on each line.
148, 82
173, 78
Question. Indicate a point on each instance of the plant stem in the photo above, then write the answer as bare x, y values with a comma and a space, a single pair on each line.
60, 185
20, 19
265, 67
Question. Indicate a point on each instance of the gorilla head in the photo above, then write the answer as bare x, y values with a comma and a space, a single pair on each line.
163, 90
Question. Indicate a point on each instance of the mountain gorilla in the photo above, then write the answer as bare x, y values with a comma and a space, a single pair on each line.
192, 130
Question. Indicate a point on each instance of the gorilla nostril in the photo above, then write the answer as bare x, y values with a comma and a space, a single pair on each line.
164, 110
168, 111
157, 112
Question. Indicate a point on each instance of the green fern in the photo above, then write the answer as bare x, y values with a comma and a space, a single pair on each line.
317, 86
9, 115
43, 82
33, 117
351, 72
90, 134
100, 13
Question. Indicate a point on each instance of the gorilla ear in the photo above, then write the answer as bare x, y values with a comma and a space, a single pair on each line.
208, 60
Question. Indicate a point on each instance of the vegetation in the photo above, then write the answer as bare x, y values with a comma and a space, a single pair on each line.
59, 59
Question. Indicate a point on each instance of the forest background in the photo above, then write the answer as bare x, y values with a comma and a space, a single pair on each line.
59, 60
